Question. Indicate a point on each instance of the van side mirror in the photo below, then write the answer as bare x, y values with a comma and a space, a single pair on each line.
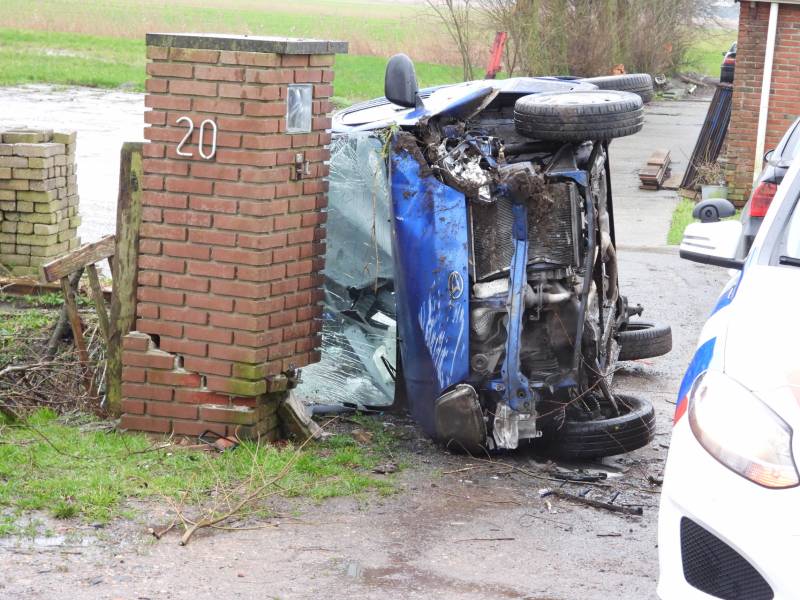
400, 83
713, 209
712, 243
768, 155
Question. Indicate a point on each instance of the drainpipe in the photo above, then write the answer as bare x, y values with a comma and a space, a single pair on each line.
763, 109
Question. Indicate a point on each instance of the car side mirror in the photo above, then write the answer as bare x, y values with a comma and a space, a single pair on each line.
712, 243
768, 155
400, 83
713, 209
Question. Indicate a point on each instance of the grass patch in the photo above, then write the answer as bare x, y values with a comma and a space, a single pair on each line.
108, 62
681, 217
706, 54
78, 470
22, 325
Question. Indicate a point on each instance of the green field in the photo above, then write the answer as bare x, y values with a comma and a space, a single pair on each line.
108, 62
705, 56
101, 42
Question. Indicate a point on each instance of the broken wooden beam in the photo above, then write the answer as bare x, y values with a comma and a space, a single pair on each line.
82, 257
124, 267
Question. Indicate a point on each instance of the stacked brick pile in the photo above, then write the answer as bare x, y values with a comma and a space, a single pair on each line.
231, 247
38, 198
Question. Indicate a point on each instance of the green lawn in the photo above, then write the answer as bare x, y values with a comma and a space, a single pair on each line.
110, 62
78, 470
706, 54
370, 27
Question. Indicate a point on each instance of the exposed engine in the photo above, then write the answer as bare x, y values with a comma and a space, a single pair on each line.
495, 169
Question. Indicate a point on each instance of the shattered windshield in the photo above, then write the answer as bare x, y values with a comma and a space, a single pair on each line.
359, 331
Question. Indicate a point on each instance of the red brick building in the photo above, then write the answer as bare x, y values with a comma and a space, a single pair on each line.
753, 130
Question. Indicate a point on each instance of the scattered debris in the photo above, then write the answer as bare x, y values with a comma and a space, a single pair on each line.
498, 539
218, 442
361, 436
579, 476
296, 421
385, 468
628, 510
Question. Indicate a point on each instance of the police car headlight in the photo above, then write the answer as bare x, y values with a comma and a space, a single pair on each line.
741, 432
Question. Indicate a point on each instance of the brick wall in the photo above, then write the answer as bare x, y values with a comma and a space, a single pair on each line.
784, 103
231, 248
38, 198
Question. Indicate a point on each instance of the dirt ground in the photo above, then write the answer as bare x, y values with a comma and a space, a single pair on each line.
457, 528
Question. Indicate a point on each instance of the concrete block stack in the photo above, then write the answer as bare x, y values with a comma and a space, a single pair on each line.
38, 198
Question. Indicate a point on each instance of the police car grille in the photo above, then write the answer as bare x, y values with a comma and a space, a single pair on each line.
713, 567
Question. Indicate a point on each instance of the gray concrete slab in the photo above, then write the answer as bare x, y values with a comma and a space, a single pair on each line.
643, 217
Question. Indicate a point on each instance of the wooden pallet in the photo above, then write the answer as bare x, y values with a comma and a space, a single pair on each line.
657, 169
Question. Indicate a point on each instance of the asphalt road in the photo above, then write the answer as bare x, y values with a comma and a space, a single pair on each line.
457, 528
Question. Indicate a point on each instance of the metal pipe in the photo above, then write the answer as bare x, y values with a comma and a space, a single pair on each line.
766, 82
587, 278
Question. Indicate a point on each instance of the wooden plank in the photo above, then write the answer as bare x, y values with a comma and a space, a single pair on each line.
77, 331
84, 256
659, 157
99, 301
124, 268
22, 286
672, 182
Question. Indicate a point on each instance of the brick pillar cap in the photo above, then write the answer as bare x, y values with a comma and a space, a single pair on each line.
246, 43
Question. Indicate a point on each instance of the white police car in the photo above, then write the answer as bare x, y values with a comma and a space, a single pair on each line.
729, 523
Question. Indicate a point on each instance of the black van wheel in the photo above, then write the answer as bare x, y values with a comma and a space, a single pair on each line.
634, 428
636, 83
578, 116
642, 339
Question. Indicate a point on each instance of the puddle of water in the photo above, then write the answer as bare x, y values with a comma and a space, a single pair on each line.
103, 119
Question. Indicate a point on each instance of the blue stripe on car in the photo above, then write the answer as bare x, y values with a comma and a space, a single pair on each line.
700, 362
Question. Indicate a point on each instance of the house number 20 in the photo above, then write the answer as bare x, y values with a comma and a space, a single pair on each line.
200, 147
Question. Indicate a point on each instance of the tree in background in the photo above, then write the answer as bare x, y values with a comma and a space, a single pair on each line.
591, 37
457, 16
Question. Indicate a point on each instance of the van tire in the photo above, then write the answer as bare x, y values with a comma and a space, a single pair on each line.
578, 116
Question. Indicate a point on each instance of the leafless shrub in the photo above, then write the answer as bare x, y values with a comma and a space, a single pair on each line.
35, 380
458, 18
591, 37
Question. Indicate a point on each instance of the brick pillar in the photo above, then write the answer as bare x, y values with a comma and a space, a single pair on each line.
784, 90
231, 247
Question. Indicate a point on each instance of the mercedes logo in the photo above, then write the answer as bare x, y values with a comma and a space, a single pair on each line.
455, 283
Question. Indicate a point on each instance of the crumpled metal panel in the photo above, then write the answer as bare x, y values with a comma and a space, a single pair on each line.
431, 280
358, 262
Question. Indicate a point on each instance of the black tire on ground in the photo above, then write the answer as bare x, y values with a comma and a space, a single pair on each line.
636, 83
578, 116
633, 429
642, 339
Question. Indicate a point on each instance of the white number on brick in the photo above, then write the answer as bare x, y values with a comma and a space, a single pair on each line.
213, 139
180, 120
200, 147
